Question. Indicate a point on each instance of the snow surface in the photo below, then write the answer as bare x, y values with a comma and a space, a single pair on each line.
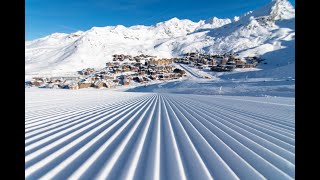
276, 82
268, 32
95, 134
232, 87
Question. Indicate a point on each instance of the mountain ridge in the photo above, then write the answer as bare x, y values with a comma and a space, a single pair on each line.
258, 32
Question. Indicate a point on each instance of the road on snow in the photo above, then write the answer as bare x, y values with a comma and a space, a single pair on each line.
194, 74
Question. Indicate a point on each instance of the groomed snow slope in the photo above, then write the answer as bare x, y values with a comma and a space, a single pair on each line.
92, 134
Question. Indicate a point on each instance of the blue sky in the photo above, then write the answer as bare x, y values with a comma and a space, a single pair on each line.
44, 17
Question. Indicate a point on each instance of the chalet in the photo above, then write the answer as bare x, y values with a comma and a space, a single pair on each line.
53, 80
109, 84
249, 65
152, 62
231, 62
160, 76
117, 71
42, 79
152, 67
142, 72
152, 72
220, 59
177, 70
220, 68
213, 62
86, 71
143, 67
159, 68
73, 86
116, 64
116, 67
134, 75
122, 76
125, 68
177, 60
224, 61
108, 76
62, 85
205, 61
153, 77
99, 84
109, 65
160, 62
37, 83
116, 82
138, 79
200, 65
134, 69
176, 75
52, 85
230, 65
185, 62
126, 82
240, 64
194, 55
146, 79
96, 78
84, 84
138, 60
172, 75
63, 78
137, 64
251, 58
166, 76
168, 68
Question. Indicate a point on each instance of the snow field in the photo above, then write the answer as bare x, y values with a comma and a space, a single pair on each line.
92, 134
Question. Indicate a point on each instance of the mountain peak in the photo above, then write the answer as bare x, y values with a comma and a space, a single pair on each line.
281, 9
216, 22
276, 10
174, 19
57, 35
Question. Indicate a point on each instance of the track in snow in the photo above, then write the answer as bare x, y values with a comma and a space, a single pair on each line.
190, 71
116, 135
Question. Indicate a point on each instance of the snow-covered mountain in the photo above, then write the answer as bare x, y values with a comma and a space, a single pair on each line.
268, 32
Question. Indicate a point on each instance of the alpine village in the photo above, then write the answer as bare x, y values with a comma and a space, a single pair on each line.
126, 69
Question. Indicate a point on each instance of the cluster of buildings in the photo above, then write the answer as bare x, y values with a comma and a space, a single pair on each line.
115, 73
126, 69
225, 62
123, 57
54, 82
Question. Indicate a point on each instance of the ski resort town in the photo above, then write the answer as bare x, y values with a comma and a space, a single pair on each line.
126, 69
